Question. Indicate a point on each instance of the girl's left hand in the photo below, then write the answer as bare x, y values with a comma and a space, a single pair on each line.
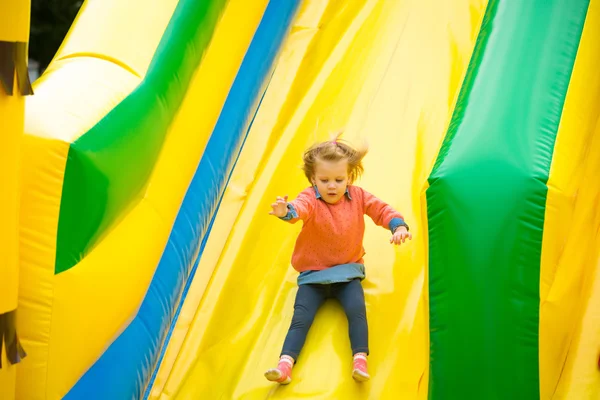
400, 235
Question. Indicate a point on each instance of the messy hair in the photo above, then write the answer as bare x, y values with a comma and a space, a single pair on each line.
334, 150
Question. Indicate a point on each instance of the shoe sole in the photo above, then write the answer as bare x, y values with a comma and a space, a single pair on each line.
360, 376
274, 375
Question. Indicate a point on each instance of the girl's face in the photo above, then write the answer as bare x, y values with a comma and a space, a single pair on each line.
331, 179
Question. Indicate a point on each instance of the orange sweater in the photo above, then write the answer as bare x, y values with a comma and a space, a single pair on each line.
332, 234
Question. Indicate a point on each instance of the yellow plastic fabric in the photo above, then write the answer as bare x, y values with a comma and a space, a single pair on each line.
570, 267
12, 113
79, 87
69, 319
13, 28
15, 20
103, 58
387, 72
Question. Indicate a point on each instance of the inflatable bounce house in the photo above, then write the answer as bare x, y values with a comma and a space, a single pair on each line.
137, 256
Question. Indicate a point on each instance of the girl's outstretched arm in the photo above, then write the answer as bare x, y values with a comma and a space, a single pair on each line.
380, 212
384, 215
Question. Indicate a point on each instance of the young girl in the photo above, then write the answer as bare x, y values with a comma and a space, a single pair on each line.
329, 251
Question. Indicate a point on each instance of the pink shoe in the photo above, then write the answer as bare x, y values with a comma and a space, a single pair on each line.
283, 373
359, 368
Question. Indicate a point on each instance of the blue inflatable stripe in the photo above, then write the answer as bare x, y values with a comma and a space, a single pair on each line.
126, 367
193, 272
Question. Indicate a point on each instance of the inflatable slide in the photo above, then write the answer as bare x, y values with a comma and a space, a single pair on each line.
139, 259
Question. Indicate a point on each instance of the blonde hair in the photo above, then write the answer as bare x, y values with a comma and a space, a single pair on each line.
334, 150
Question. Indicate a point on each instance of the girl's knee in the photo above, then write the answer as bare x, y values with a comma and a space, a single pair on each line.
356, 310
303, 318
298, 323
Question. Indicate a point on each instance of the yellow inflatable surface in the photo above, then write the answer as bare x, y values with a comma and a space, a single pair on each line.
14, 86
144, 263
389, 72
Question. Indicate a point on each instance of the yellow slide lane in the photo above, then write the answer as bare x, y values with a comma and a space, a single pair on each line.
387, 72
570, 268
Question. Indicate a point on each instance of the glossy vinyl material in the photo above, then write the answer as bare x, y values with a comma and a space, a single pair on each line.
75, 92
95, 68
109, 166
486, 202
570, 264
387, 72
139, 344
71, 318
14, 27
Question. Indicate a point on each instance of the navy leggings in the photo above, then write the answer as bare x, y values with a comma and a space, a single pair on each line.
308, 300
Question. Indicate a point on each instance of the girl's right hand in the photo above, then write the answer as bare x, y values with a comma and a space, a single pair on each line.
280, 207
